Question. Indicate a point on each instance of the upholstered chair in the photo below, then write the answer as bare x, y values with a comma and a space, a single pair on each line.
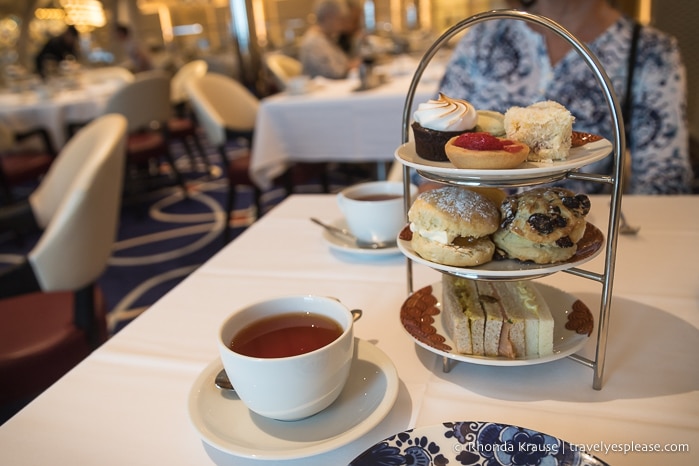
52, 314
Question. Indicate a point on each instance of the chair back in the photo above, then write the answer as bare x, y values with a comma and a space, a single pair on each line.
222, 104
195, 68
283, 68
117, 74
143, 102
79, 201
7, 138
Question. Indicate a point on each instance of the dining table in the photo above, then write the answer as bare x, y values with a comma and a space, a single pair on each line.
147, 395
338, 120
56, 105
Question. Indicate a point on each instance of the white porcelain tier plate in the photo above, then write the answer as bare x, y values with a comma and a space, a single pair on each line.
589, 247
578, 157
344, 245
471, 442
223, 421
424, 325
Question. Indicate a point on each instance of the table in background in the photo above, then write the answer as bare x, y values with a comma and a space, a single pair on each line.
53, 110
334, 122
127, 402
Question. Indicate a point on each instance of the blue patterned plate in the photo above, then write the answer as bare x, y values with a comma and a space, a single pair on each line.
471, 443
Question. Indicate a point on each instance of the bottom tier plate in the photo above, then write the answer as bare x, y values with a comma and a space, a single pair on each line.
421, 318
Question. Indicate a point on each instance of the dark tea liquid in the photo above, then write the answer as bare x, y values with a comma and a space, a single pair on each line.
285, 335
376, 197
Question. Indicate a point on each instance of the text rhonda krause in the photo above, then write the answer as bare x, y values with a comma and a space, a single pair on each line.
553, 449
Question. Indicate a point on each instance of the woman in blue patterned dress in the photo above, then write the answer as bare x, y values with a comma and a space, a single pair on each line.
498, 64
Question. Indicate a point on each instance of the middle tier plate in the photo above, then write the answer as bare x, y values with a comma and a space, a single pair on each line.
509, 269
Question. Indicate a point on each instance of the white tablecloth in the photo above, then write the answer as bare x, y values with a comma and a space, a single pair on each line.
31, 109
127, 403
335, 123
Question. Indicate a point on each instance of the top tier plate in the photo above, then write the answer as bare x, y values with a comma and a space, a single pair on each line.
527, 173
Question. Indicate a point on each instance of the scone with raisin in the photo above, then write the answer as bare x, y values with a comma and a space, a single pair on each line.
542, 225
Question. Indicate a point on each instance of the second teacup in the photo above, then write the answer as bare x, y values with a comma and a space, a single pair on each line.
374, 211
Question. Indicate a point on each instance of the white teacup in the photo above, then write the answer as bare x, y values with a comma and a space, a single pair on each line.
288, 387
375, 211
298, 85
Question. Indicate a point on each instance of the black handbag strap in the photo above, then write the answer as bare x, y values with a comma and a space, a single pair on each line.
628, 99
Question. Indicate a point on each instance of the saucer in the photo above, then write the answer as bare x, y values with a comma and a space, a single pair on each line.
225, 423
338, 243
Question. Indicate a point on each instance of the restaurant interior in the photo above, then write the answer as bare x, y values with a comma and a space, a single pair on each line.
177, 32
216, 171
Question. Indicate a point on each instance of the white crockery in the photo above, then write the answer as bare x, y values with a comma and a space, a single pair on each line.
294, 387
226, 424
298, 85
377, 221
344, 245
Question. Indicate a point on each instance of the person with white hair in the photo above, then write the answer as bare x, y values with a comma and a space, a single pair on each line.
319, 52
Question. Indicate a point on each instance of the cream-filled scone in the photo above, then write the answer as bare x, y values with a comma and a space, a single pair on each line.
542, 225
452, 226
546, 127
438, 120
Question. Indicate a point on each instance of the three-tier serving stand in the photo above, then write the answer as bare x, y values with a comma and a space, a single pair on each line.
614, 181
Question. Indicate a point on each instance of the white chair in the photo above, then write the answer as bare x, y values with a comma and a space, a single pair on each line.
51, 311
146, 105
226, 110
283, 68
178, 91
117, 74
183, 126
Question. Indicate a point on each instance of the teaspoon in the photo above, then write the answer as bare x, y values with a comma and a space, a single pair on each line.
346, 234
222, 381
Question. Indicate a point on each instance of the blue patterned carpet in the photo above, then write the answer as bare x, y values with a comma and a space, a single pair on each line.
164, 236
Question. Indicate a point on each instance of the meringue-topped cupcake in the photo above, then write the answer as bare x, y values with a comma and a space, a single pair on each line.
438, 120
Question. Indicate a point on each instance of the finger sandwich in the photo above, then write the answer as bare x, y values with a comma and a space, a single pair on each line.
496, 319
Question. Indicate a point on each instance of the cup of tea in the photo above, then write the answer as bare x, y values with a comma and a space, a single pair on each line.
289, 357
375, 211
